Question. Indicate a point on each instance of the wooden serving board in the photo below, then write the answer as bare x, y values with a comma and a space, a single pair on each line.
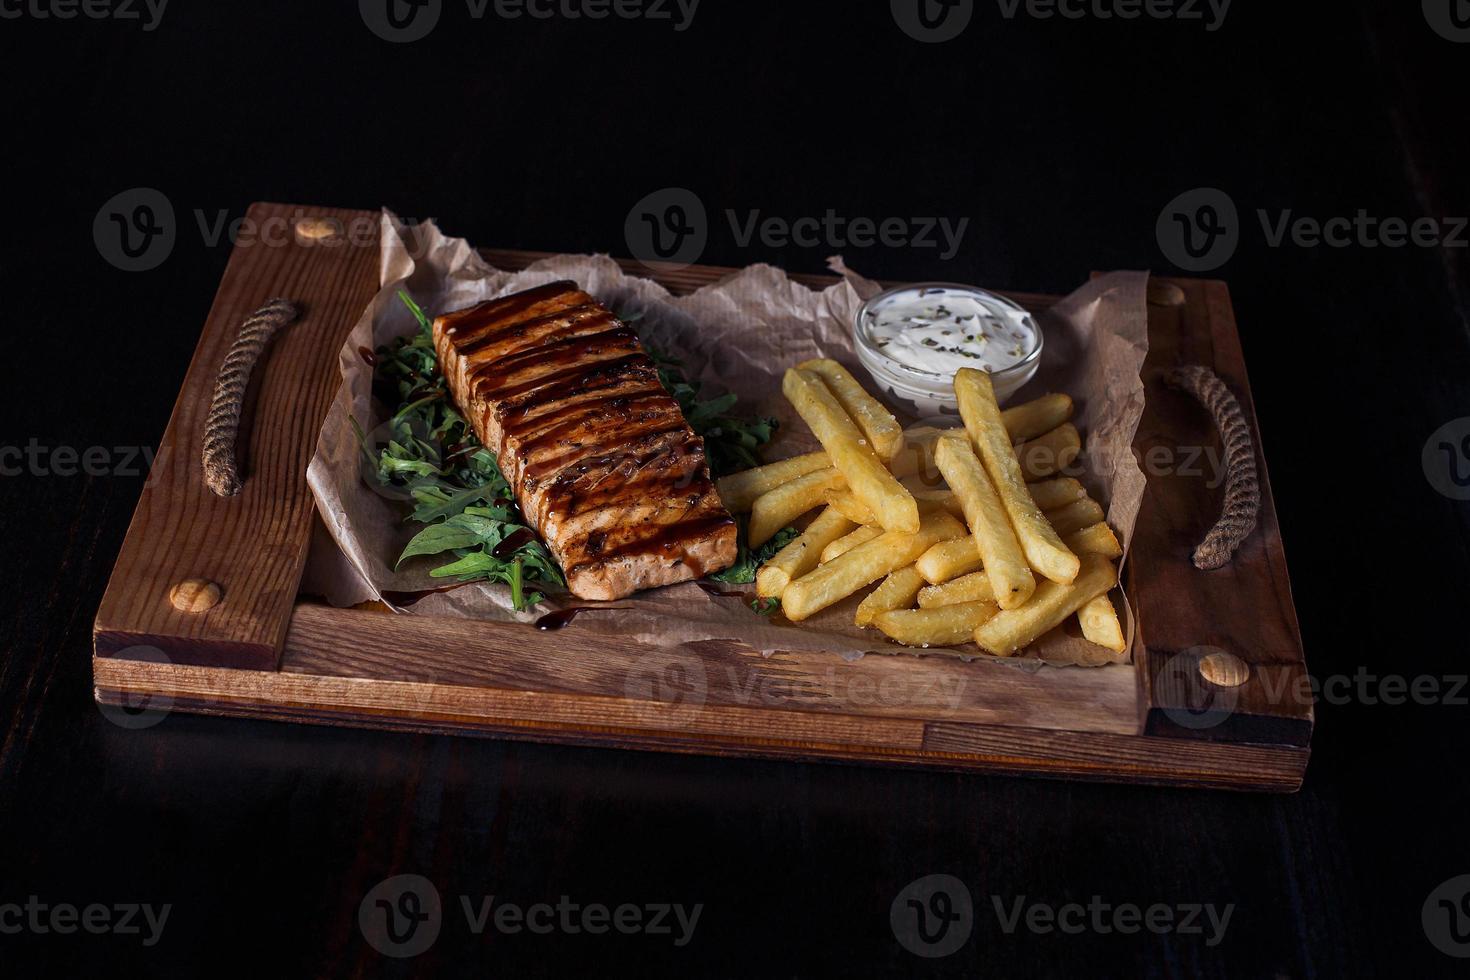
265, 652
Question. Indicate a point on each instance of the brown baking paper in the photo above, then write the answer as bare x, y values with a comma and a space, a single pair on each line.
738, 335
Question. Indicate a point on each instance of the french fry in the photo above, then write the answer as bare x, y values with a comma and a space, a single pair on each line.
864, 565
1100, 623
869, 481
1051, 494
974, 587
850, 541
991, 531
944, 499
1074, 517
943, 626
1050, 453
927, 500
1098, 539
1052, 603
1042, 547
949, 559
801, 555
739, 490
897, 591
1034, 418
850, 507
877, 422
914, 464
774, 510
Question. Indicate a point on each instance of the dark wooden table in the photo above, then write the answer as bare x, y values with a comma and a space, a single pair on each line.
1061, 141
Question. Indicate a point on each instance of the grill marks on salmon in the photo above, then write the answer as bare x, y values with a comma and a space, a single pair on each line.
599, 456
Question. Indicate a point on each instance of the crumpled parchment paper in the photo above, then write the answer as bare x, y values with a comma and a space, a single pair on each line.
738, 335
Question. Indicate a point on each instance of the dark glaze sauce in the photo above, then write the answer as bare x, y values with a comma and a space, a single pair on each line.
506, 307
571, 350
572, 315
720, 593
513, 542
556, 620
666, 540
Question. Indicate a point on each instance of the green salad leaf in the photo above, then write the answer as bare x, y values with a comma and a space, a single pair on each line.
748, 560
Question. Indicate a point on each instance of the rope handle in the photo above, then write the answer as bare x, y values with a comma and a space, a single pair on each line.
221, 471
1242, 488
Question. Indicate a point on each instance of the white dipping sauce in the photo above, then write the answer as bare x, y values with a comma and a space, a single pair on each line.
940, 330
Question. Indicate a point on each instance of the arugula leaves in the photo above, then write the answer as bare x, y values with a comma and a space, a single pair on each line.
430, 454
748, 560
729, 442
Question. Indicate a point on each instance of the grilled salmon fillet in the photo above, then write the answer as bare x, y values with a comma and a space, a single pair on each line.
597, 453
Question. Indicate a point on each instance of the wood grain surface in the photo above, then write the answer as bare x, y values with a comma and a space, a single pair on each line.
252, 545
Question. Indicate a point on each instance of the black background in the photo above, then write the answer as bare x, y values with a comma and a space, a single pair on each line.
1060, 141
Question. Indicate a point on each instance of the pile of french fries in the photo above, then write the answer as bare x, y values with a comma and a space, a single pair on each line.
970, 534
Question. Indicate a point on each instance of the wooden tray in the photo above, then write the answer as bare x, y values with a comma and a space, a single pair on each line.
265, 652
